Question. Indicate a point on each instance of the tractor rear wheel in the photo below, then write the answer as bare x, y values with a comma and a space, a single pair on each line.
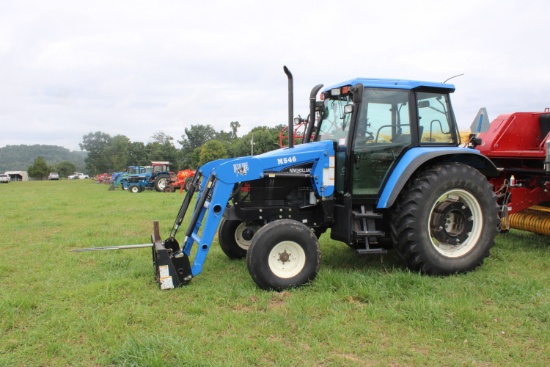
161, 182
283, 254
445, 220
187, 183
235, 237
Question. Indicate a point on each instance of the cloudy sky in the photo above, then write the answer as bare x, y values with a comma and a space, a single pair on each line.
131, 67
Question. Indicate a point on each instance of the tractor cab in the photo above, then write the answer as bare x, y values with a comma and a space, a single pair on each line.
373, 122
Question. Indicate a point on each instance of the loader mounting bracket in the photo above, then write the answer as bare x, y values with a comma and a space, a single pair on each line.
172, 267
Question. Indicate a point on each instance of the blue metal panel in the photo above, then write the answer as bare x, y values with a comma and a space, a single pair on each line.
250, 168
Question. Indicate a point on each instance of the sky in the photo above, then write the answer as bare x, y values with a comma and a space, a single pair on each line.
135, 68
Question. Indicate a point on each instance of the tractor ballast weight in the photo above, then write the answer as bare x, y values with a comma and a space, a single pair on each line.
380, 166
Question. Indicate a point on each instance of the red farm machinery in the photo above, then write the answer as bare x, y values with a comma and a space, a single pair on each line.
182, 181
519, 144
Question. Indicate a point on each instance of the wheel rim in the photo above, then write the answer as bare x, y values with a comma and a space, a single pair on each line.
240, 234
455, 223
161, 184
135, 189
287, 259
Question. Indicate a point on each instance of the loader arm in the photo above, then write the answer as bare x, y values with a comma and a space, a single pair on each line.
219, 180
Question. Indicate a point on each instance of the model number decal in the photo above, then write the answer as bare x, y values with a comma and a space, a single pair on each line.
286, 160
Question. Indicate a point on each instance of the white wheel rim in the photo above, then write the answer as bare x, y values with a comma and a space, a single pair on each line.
476, 220
287, 259
162, 183
239, 239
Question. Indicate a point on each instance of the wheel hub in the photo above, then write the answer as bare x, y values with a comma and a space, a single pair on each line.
284, 257
247, 234
452, 222
287, 259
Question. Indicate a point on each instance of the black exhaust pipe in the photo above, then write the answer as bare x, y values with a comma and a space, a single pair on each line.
311, 122
290, 108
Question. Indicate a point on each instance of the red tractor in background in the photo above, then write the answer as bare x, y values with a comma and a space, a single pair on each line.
519, 144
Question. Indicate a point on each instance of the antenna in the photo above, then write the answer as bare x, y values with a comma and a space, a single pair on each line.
455, 76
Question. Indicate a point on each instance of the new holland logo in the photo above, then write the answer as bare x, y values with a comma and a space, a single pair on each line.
240, 168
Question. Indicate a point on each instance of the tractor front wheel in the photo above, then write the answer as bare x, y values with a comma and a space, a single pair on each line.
283, 254
445, 220
134, 189
235, 237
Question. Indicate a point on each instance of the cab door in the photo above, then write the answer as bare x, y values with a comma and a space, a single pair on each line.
382, 133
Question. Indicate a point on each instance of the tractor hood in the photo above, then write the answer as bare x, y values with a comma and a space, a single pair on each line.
320, 154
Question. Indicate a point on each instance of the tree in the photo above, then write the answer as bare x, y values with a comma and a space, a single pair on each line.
161, 137
98, 159
39, 168
234, 127
137, 156
195, 137
211, 151
65, 168
260, 140
117, 153
162, 149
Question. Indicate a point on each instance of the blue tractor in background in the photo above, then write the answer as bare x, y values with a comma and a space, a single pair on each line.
121, 178
157, 177
380, 167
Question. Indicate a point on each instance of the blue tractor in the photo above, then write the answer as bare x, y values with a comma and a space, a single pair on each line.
121, 178
154, 177
380, 167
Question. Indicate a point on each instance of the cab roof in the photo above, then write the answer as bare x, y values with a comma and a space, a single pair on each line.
393, 84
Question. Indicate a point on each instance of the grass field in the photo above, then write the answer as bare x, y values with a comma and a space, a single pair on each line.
60, 308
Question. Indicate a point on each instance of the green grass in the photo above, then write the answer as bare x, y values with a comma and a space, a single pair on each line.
60, 308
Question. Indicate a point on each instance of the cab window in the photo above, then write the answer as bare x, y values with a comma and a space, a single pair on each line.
435, 119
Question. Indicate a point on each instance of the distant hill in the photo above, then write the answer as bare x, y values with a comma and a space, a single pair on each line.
20, 157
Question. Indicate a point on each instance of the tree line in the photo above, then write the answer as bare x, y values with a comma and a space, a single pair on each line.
199, 144
40, 168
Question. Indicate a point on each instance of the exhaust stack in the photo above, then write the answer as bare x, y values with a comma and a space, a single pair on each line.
311, 122
290, 107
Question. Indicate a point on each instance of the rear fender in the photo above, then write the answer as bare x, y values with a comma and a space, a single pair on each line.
415, 158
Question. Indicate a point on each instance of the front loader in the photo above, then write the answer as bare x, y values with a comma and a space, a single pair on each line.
380, 166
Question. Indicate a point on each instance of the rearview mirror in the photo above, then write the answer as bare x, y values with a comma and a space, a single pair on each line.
423, 104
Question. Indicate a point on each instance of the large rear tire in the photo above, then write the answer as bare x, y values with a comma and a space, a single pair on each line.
161, 182
235, 237
445, 220
283, 254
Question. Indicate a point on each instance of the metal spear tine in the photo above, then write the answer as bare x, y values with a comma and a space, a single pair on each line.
106, 248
